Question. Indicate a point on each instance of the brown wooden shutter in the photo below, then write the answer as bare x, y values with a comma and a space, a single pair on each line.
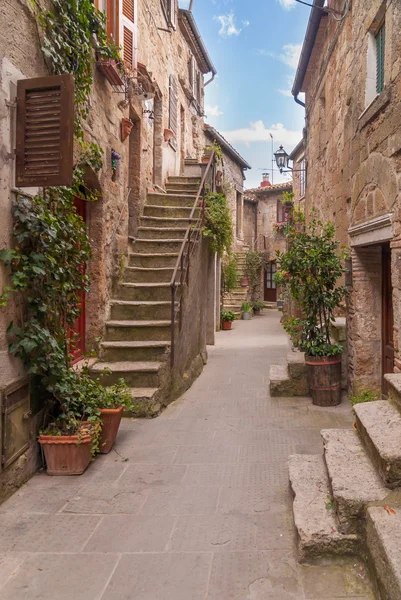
173, 113
45, 131
128, 47
129, 9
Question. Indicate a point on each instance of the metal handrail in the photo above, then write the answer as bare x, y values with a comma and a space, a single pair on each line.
186, 243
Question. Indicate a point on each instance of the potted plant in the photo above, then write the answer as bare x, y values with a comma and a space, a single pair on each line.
246, 310
208, 151
244, 281
310, 270
109, 63
257, 307
226, 318
288, 199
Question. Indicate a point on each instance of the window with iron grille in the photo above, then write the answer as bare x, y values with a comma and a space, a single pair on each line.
380, 51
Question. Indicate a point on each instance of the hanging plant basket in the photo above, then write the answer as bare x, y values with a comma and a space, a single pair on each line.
110, 69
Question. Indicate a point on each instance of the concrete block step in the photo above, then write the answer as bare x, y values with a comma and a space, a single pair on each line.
379, 425
314, 516
140, 374
281, 384
355, 483
177, 212
383, 539
165, 222
148, 275
148, 246
171, 199
161, 232
135, 351
123, 330
297, 372
138, 310
151, 260
151, 292
145, 403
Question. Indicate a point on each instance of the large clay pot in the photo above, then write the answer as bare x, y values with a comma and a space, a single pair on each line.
324, 375
111, 419
226, 325
66, 454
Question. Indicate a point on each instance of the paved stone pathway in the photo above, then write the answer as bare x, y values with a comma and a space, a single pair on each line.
194, 505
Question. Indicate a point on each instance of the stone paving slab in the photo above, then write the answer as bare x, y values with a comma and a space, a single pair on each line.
192, 505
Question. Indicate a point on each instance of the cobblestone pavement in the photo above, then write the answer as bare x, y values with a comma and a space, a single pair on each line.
193, 505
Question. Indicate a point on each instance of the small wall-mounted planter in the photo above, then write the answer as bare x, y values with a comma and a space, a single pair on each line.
206, 158
126, 127
109, 68
244, 282
168, 135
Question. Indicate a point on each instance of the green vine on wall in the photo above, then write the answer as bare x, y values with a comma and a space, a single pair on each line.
218, 223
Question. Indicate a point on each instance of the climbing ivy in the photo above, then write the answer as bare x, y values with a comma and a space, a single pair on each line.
218, 223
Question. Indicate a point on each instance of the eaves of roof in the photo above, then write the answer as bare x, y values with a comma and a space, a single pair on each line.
191, 33
315, 17
236, 156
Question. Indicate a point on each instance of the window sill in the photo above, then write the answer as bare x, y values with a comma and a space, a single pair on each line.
378, 104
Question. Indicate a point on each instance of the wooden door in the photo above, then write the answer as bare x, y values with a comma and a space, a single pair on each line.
77, 332
270, 293
387, 317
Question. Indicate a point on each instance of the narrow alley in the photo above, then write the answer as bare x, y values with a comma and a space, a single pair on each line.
192, 505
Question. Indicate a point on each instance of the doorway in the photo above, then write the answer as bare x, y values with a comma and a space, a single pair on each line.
270, 291
387, 317
77, 332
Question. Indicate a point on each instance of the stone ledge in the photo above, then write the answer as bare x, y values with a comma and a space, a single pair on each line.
383, 537
394, 391
375, 107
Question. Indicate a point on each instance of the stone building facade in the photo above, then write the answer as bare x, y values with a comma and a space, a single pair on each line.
350, 71
299, 175
265, 214
164, 101
233, 176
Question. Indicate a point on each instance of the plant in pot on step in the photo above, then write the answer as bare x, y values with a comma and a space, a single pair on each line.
257, 307
311, 271
226, 318
246, 310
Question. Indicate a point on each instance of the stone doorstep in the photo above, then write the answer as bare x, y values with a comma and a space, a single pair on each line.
315, 521
354, 481
383, 540
394, 393
379, 425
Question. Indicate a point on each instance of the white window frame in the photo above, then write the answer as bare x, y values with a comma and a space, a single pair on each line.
132, 26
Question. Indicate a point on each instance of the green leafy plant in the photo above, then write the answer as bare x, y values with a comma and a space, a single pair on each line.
208, 149
218, 225
288, 199
330, 503
227, 316
310, 271
258, 305
246, 307
230, 275
363, 396
253, 266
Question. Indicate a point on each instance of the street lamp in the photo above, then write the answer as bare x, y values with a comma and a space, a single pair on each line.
282, 160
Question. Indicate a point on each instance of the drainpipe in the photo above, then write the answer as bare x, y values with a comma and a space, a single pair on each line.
210, 80
298, 101
190, 4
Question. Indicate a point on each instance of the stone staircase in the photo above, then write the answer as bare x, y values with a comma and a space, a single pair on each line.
137, 338
234, 300
348, 501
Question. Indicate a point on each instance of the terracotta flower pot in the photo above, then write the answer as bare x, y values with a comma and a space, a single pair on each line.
244, 281
226, 325
66, 454
126, 126
111, 419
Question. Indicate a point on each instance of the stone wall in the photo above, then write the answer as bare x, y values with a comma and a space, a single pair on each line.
353, 151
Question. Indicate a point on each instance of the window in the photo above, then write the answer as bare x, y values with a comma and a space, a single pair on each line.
302, 177
173, 108
380, 47
121, 26
169, 9
283, 212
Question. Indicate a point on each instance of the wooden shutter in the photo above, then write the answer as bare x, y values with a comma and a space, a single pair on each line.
45, 131
192, 75
113, 20
280, 212
173, 109
129, 33
172, 16
380, 48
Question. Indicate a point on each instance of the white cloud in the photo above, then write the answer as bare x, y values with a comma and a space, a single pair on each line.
258, 132
246, 23
288, 4
213, 111
228, 26
289, 55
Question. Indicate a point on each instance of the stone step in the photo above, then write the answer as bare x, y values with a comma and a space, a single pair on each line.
183, 200
379, 425
148, 275
135, 373
134, 351
122, 330
165, 222
314, 516
383, 539
183, 179
147, 246
138, 310
282, 385
182, 188
161, 232
145, 403
148, 292
354, 480
153, 259
177, 212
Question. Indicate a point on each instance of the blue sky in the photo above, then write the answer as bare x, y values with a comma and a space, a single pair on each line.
254, 45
